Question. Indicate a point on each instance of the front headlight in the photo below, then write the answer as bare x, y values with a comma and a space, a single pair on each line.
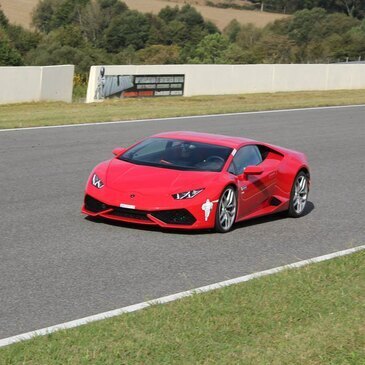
187, 194
96, 181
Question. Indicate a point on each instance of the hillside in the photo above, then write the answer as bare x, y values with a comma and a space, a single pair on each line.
109, 33
19, 11
220, 17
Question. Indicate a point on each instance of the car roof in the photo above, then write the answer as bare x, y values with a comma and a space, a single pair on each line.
218, 139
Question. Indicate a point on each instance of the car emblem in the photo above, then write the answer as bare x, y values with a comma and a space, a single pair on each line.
132, 196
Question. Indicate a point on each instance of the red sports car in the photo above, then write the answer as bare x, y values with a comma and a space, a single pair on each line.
191, 180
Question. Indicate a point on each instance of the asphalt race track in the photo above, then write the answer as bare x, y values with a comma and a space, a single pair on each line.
56, 265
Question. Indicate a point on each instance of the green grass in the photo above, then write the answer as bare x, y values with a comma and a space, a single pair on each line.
43, 114
312, 315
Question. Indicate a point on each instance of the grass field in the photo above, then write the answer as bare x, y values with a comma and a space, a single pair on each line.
312, 316
19, 11
43, 114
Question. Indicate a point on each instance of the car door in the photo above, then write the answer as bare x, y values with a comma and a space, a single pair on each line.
253, 190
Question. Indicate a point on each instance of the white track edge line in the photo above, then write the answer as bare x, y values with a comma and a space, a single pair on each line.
173, 297
184, 117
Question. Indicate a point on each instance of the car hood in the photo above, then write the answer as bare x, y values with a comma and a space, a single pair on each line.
146, 180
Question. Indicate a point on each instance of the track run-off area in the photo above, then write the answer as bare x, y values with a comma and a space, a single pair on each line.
57, 266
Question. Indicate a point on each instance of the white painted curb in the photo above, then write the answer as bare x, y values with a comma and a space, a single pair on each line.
179, 118
171, 298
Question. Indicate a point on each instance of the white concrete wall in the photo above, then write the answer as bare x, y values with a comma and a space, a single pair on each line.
57, 83
27, 84
237, 79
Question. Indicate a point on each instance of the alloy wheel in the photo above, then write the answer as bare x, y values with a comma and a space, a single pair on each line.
300, 194
227, 209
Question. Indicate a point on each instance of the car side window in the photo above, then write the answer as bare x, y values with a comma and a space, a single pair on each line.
151, 147
246, 156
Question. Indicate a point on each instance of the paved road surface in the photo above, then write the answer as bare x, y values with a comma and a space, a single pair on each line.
57, 266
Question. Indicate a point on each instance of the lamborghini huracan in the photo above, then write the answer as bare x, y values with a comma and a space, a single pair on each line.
189, 180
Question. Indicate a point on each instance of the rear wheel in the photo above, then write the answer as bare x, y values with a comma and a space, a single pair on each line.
299, 195
226, 211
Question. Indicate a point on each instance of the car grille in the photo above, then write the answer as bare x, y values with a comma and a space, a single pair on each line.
175, 216
130, 213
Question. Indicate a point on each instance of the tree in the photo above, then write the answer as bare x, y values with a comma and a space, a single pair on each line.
185, 26
129, 29
22, 39
96, 17
190, 16
211, 50
168, 14
158, 33
4, 22
68, 12
336, 23
110, 9
51, 14
248, 36
94, 22
69, 35
353, 8
355, 43
9, 56
275, 48
114, 6
15, 42
128, 56
231, 30
237, 55
57, 54
43, 15
301, 26
159, 55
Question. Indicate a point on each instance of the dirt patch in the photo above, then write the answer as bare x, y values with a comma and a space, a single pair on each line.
19, 11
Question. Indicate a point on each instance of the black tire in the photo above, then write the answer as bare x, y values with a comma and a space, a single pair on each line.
229, 210
299, 198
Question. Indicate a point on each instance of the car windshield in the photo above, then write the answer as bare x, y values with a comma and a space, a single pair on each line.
178, 154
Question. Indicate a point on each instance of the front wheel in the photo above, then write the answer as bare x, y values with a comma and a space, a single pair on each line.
226, 210
299, 195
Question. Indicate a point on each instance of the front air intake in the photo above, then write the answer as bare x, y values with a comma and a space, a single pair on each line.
94, 205
177, 216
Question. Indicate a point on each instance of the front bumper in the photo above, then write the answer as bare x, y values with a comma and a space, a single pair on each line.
191, 217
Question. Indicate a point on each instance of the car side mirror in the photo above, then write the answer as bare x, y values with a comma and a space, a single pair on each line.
119, 150
250, 170
253, 170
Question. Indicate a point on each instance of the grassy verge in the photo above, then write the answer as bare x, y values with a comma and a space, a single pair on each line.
312, 315
40, 114
79, 93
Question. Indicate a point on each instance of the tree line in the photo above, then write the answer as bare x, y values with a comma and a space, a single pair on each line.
90, 32
354, 8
